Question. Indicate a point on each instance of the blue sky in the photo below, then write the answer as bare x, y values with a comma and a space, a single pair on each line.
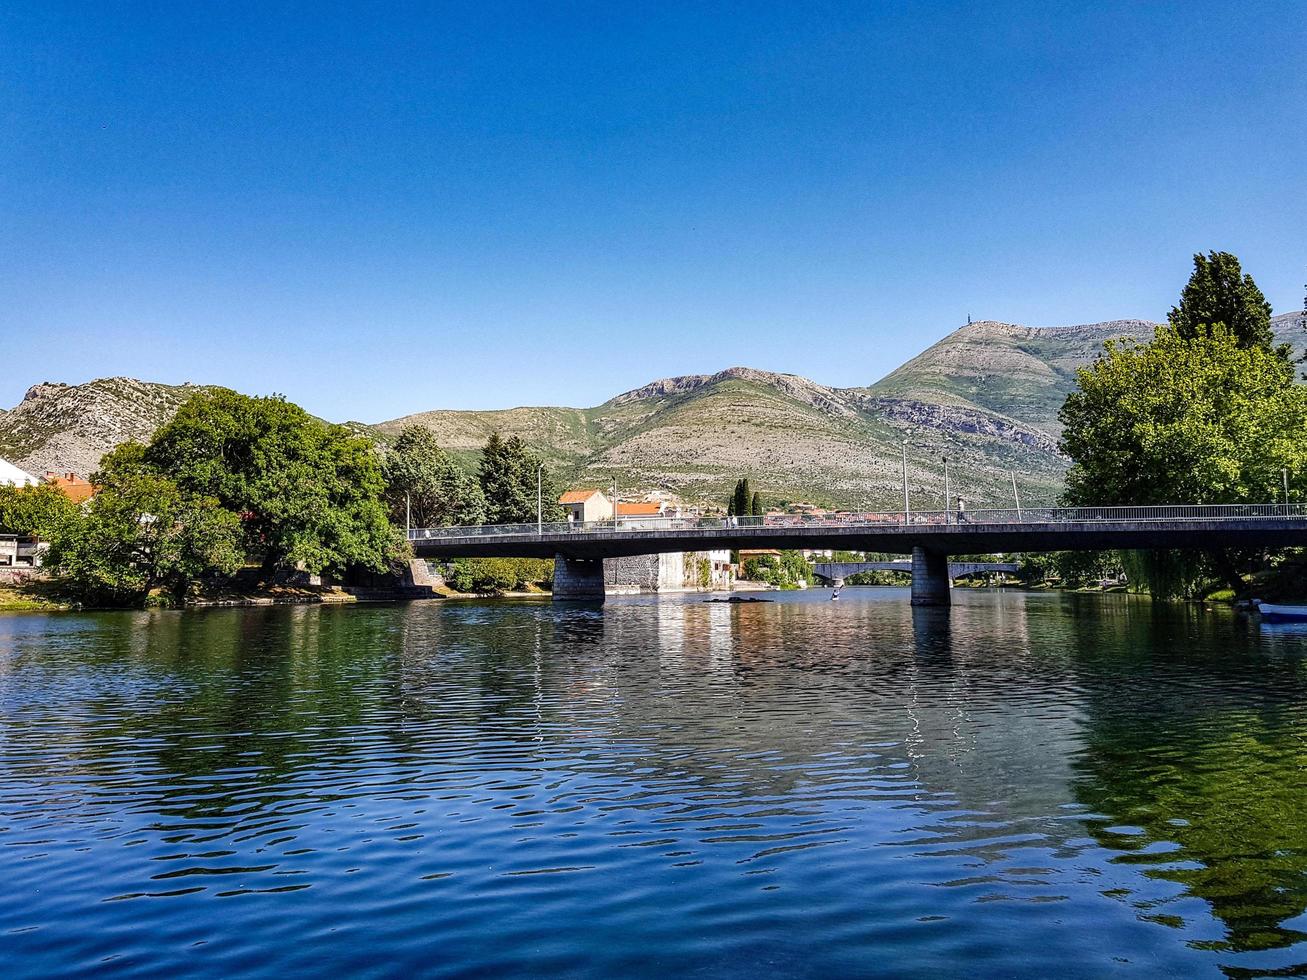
385, 208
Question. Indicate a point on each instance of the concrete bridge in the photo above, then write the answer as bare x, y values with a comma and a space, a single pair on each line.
579, 548
836, 572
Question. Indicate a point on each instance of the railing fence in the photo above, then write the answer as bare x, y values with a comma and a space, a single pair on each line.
1007, 516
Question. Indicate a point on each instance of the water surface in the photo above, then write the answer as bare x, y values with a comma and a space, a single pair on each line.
1021, 785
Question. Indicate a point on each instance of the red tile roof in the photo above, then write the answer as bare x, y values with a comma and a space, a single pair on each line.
576, 496
73, 486
639, 509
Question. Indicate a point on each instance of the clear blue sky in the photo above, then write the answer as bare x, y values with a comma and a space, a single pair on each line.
377, 209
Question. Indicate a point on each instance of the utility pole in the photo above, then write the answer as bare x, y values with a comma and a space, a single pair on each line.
540, 500
1284, 475
946, 490
1016, 498
614, 504
907, 507
408, 514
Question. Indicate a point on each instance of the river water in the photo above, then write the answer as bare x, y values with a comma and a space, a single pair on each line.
1021, 785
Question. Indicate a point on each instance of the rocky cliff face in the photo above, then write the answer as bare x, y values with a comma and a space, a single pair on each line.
69, 427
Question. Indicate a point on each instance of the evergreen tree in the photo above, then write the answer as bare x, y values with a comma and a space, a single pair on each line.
508, 482
1220, 292
423, 485
743, 499
755, 506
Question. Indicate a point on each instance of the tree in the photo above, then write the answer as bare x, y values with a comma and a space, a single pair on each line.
507, 475
741, 503
1201, 420
1219, 292
308, 494
755, 505
42, 510
141, 533
423, 484
1204, 420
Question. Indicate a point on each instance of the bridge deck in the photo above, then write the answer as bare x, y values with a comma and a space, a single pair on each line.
979, 532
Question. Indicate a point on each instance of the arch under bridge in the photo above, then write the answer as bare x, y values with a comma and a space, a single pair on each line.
579, 548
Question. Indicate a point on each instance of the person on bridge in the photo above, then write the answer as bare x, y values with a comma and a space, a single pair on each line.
962, 511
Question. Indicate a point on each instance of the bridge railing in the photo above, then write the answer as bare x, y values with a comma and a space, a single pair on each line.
872, 519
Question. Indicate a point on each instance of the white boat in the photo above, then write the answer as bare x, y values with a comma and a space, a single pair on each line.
1281, 614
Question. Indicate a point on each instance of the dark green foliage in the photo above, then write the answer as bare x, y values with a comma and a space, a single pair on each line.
141, 532
755, 505
508, 483
786, 570
741, 502
423, 485
41, 510
496, 575
1219, 292
308, 494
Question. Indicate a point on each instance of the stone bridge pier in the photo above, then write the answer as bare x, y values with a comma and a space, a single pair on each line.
931, 584
578, 579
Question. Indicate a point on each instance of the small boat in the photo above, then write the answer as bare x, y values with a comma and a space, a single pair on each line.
1281, 614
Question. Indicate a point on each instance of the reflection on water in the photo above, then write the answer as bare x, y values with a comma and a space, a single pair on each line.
1018, 785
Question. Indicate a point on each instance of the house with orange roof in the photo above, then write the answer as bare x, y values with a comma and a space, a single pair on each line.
73, 486
586, 505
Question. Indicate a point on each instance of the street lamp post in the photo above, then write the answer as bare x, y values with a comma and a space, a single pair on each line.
907, 507
1284, 475
614, 505
540, 500
1015, 498
946, 490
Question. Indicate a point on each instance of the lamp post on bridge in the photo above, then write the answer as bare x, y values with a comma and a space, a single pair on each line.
907, 507
540, 499
946, 490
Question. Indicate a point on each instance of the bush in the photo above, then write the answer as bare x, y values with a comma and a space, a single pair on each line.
497, 575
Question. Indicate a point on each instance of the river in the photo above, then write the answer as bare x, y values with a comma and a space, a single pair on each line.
1026, 784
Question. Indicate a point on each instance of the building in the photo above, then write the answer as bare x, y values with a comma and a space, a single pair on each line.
73, 486
675, 571
586, 505
12, 476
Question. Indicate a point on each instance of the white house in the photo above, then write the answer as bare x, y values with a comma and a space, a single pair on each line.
586, 505
12, 476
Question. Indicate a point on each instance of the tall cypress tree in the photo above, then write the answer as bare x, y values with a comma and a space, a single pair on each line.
743, 501
755, 506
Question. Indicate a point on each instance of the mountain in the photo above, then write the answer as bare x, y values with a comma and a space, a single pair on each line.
69, 427
1023, 372
986, 397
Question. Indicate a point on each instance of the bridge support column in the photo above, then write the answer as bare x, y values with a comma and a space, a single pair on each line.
930, 578
578, 579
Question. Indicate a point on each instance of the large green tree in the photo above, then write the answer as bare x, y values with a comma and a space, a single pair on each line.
1177, 420
1220, 292
308, 494
141, 532
508, 475
1203, 419
42, 510
423, 484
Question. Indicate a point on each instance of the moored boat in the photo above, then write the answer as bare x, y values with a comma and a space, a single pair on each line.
1281, 614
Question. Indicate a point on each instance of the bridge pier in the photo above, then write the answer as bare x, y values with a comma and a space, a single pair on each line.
930, 578
578, 579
